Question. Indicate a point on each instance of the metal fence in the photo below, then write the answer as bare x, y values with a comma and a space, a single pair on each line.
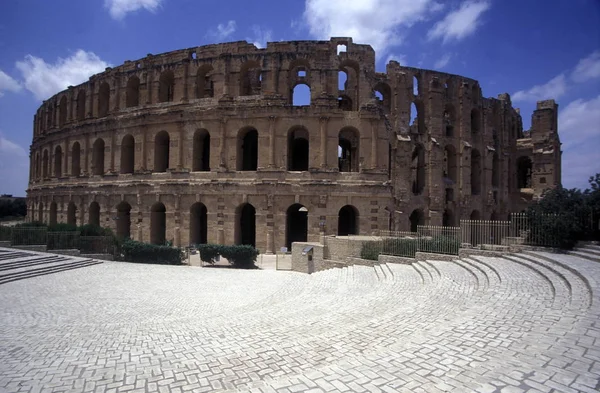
29, 236
431, 239
97, 245
63, 240
483, 232
5, 233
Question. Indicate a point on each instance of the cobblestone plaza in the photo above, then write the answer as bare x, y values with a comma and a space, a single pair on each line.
524, 323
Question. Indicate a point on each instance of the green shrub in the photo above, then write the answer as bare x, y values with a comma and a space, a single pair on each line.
401, 247
371, 250
134, 251
440, 245
5, 233
62, 227
94, 230
65, 240
239, 256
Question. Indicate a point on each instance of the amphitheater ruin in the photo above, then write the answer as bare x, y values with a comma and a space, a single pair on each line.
214, 144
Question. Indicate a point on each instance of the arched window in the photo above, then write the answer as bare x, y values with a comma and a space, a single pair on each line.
58, 157
166, 86
201, 151
475, 215
301, 95
45, 163
524, 172
161, 151
475, 172
496, 171
345, 103
41, 212
72, 214
98, 157
348, 221
94, 214
451, 164
348, 85
448, 218
124, 220
198, 224
204, 83
158, 224
247, 150
132, 96
62, 111
449, 121
52, 220
245, 229
296, 225
250, 79
418, 169
348, 150
475, 121
383, 93
81, 105
298, 149
127, 154
415, 85
417, 217
76, 159
103, 99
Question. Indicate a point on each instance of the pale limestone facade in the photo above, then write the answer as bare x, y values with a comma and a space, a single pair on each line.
205, 145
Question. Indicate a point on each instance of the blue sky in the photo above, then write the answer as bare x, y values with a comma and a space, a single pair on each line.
533, 49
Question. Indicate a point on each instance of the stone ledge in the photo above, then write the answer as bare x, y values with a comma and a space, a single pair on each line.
395, 259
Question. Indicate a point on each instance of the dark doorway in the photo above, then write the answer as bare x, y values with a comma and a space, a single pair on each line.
298, 150
416, 218
296, 227
347, 221
246, 225
198, 224
124, 220
248, 150
158, 224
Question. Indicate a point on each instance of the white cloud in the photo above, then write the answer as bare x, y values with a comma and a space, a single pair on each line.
460, 23
261, 36
44, 79
223, 30
399, 58
442, 61
579, 130
7, 83
14, 167
554, 88
587, 68
119, 8
374, 22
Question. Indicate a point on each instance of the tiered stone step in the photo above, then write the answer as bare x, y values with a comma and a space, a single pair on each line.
588, 251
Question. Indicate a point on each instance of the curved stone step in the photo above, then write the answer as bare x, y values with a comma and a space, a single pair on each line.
19, 263
480, 275
595, 250
493, 273
13, 254
427, 271
584, 254
46, 270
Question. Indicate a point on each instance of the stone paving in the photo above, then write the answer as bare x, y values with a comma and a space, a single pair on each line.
526, 323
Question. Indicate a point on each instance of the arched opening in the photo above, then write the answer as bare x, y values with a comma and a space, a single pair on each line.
62, 111
448, 218
198, 224
124, 220
204, 83
38, 166
342, 80
348, 150
76, 159
81, 105
250, 79
41, 212
298, 149
449, 121
417, 119
348, 221
418, 169
301, 95
451, 164
383, 93
475, 121
58, 157
348, 85
52, 220
296, 225
161, 151
475, 215
132, 96
341, 49
475, 172
158, 224
496, 171
345, 103
166, 87
246, 225
201, 151
247, 150
94, 214
127, 154
45, 164
524, 172
494, 216
415, 85
417, 217
103, 99
72, 214
98, 157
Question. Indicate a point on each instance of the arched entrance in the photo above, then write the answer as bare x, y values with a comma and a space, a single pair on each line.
94, 214
127, 154
246, 225
416, 218
161, 151
158, 224
98, 157
52, 220
198, 224
72, 214
296, 225
348, 221
124, 220
298, 150
247, 150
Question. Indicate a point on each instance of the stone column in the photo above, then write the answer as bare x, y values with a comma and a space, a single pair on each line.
180, 161
186, 71
66, 169
323, 130
117, 94
223, 152
87, 155
374, 144
272, 137
112, 152
144, 150
90, 101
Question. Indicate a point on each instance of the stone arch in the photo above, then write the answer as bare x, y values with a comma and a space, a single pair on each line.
250, 78
198, 224
345, 102
351, 69
62, 111
103, 99
72, 213
245, 225
127, 154
132, 95
94, 214
384, 97
81, 104
451, 163
41, 212
298, 149
475, 172
247, 149
418, 169
124, 220
475, 215
348, 150
416, 218
58, 158
76, 159
475, 121
348, 221
53, 213
161, 151
204, 83
448, 218
301, 94
45, 163
524, 167
201, 151
296, 225
494, 216
166, 86
449, 119
495, 170
158, 223
98, 157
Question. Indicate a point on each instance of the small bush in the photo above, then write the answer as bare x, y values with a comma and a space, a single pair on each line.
371, 250
401, 247
62, 227
134, 251
440, 245
5, 233
239, 256
94, 230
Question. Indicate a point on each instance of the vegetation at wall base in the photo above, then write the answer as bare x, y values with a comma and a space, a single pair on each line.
239, 256
408, 247
12, 208
134, 251
370, 250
